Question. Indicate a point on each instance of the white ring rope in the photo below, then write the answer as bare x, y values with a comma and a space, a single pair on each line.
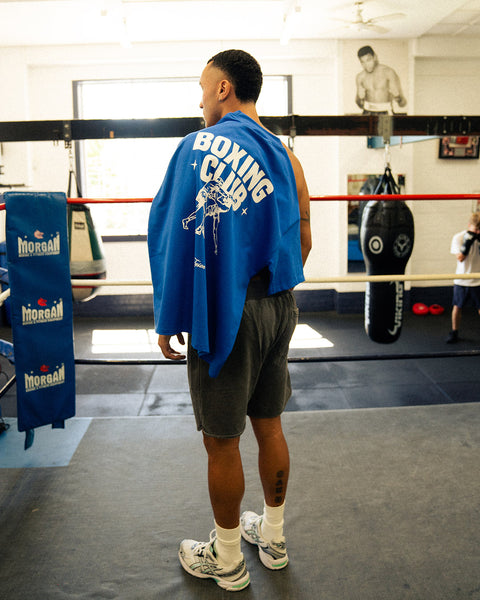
79, 283
380, 278
86, 283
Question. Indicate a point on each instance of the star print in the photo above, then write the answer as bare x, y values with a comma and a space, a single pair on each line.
244, 211
194, 165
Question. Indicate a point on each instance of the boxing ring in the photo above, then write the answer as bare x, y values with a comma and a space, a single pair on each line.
351, 278
392, 493
378, 129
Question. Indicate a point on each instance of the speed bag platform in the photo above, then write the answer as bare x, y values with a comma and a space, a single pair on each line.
41, 306
386, 238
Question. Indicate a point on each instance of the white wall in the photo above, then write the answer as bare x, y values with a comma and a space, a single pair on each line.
444, 85
40, 87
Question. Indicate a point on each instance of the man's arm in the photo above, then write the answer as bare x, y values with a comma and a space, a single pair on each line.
395, 87
455, 247
361, 91
467, 241
304, 205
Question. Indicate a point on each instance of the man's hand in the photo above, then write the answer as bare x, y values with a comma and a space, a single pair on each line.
167, 350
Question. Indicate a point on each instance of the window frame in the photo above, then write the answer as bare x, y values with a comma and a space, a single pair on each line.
80, 162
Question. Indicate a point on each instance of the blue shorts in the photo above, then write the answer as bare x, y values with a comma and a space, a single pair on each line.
462, 293
254, 380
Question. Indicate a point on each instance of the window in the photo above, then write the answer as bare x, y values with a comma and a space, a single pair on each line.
134, 168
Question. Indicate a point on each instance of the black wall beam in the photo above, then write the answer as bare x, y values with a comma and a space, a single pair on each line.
292, 125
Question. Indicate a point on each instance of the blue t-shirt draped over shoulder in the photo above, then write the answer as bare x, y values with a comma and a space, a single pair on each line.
227, 208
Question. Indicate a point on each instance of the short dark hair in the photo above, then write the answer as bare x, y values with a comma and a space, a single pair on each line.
474, 219
242, 70
364, 50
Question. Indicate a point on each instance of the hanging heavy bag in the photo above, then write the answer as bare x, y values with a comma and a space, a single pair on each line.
87, 260
386, 237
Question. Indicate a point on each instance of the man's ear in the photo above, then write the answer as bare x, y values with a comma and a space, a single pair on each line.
224, 89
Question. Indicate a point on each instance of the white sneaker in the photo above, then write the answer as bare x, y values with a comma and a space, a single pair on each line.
200, 560
272, 554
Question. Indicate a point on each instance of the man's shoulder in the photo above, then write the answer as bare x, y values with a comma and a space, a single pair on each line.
385, 70
190, 138
211, 131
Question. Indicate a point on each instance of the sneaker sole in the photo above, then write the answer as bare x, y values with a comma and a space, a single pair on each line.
229, 586
265, 558
267, 562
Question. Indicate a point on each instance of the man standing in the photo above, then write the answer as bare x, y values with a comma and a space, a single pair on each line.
378, 86
466, 247
229, 233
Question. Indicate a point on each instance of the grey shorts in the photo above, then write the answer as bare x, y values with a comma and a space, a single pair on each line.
254, 380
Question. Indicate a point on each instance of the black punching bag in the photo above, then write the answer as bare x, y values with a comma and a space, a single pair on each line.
386, 238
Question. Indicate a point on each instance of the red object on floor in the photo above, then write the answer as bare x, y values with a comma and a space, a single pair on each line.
436, 309
420, 309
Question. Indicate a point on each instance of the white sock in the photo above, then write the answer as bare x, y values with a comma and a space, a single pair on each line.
228, 545
272, 523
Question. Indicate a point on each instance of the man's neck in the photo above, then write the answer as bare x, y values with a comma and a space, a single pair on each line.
247, 108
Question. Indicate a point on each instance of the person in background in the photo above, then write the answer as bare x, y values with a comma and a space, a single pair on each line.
466, 247
229, 233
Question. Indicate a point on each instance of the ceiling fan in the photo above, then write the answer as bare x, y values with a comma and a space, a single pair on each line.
359, 23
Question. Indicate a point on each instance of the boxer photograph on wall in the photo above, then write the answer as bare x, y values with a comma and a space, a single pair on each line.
379, 72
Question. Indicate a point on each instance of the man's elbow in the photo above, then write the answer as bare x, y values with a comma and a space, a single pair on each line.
360, 102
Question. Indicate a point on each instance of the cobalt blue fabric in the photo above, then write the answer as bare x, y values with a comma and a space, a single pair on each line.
41, 301
227, 208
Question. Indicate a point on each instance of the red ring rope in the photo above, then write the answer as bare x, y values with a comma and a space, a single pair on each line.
398, 197
341, 197
312, 198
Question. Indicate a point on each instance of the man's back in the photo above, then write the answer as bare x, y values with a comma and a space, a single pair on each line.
233, 211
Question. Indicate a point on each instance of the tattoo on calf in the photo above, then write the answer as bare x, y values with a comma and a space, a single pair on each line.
279, 488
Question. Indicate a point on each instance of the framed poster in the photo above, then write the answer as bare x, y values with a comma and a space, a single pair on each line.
375, 77
458, 146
